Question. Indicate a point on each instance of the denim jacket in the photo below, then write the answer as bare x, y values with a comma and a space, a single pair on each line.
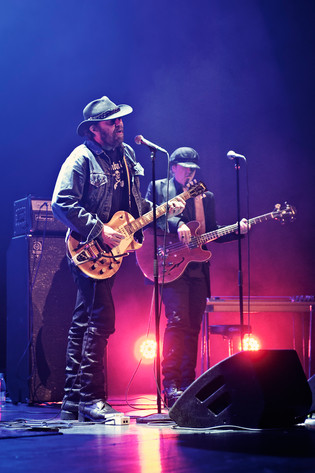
83, 192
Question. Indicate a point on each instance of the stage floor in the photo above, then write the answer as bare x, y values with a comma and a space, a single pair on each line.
33, 438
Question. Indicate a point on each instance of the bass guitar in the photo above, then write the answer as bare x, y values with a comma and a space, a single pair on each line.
174, 256
97, 260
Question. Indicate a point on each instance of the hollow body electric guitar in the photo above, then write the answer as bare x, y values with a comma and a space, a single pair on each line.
101, 262
174, 256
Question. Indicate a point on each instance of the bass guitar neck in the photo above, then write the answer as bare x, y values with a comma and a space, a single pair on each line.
173, 256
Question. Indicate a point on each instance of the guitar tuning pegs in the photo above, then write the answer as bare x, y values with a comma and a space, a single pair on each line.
191, 183
287, 213
201, 196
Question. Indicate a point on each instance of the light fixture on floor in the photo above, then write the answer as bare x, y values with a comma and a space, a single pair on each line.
145, 349
250, 343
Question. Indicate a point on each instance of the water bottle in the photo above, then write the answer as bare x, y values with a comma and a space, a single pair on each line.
2, 390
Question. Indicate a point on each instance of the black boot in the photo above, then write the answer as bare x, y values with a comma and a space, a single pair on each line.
171, 394
96, 411
69, 410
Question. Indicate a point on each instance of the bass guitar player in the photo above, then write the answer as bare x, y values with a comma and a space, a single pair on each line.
185, 298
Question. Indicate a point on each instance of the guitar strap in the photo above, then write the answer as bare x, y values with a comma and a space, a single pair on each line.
200, 214
128, 179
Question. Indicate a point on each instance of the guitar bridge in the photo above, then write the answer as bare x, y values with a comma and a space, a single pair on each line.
83, 257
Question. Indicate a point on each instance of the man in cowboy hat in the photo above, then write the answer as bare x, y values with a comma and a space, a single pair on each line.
185, 298
99, 178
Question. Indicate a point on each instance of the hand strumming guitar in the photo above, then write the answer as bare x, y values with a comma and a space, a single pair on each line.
110, 237
184, 233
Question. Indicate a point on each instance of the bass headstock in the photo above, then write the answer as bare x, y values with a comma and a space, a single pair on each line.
284, 213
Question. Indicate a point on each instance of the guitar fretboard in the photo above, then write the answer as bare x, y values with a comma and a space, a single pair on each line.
215, 234
147, 218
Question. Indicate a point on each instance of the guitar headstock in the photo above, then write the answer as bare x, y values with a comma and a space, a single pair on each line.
195, 188
284, 213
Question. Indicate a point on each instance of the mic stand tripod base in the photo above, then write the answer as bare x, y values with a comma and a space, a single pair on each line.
154, 418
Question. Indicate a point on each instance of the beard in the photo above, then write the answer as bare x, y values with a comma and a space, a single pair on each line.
114, 139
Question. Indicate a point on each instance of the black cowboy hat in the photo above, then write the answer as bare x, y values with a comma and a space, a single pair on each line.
186, 157
99, 110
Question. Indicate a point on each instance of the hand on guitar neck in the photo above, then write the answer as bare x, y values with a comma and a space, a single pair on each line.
184, 231
177, 205
244, 226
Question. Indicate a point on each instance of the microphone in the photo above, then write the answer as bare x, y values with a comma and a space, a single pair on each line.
232, 155
142, 141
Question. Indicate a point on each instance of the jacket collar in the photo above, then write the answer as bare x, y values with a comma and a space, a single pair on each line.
94, 147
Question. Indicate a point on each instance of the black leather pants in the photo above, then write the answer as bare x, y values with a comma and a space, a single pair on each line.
93, 322
185, 302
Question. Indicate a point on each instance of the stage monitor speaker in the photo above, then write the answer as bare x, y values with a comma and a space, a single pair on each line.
40, 301
261, 389
311, 383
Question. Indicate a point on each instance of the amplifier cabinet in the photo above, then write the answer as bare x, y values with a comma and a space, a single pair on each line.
34, 216
40, 301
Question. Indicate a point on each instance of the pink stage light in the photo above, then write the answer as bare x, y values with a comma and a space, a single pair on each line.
148, 349
145, 349
250, 343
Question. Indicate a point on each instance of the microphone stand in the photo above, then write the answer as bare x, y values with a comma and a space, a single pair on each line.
156, 288
159, 415
240, 273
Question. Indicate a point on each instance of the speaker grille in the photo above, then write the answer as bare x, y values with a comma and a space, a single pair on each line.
40, 301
